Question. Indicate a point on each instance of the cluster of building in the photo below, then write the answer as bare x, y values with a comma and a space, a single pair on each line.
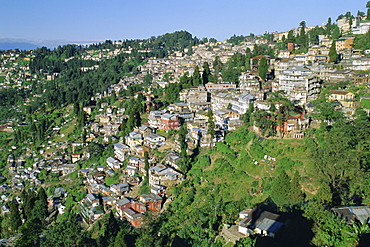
14, 69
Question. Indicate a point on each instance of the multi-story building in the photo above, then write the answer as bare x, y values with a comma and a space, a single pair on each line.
169, 122
300, 84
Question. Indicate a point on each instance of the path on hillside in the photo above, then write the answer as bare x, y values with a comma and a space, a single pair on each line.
264, 167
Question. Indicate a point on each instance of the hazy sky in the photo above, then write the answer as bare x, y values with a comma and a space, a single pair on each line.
84, 20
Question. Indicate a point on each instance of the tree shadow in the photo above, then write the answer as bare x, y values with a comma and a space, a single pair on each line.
364, 241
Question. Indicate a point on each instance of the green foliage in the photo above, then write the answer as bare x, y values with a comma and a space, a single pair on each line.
262, 120
333, 55
64, 233
329, 230
115, 179
287, 163
120, 239
211, 123
362, 41
15, 220
286, 192
325, 110
96, 150
236, 39
365, 103
182, 139
196, 78
263, 68
256, 150
29, 233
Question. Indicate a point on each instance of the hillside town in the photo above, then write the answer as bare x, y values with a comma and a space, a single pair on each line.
155, 152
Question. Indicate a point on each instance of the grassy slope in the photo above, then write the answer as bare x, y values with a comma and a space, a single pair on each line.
234, 171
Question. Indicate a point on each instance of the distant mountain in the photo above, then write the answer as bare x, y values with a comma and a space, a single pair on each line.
23, 44
17, 45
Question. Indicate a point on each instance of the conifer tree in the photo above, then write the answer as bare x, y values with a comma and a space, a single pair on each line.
281, 190
206, 76
182, 139
120, 239
211, 124
333, 55
15, 219
196, 79
296, 196
40, 209
263, 68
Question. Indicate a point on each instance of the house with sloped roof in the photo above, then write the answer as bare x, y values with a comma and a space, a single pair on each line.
259, 222
353, 213
121, 151
113, 163
169, 122
133, 139
345, 98
154, 140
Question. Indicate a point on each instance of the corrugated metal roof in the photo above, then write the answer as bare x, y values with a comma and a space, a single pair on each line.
269, 225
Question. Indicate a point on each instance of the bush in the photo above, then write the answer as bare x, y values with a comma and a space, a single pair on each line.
286, 163
256, 150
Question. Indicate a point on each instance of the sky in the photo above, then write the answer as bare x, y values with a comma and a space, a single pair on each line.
50, 21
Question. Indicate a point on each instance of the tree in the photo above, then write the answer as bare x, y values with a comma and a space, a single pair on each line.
211, 124
206, 76
28, 198
290, 38
263, 68
360, 13
246, 117
15, 220
182, 140
29, 233
64, 233
325, 110
328, 27
120, 239
148, 79
333, 55
302, 38
40, 209
96, 150
167, 77
196, 78
123, 128
84, 134
336, 170
296, 197
81, 119
281, 190
368, 10
111, 228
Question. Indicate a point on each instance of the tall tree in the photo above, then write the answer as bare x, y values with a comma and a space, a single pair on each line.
196, 78
206, 76
303, 40
296, 197
182, 140
15, 220
263, 68
111, 229
281, 190
211, 123
40, 210
120, 239
333, 55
